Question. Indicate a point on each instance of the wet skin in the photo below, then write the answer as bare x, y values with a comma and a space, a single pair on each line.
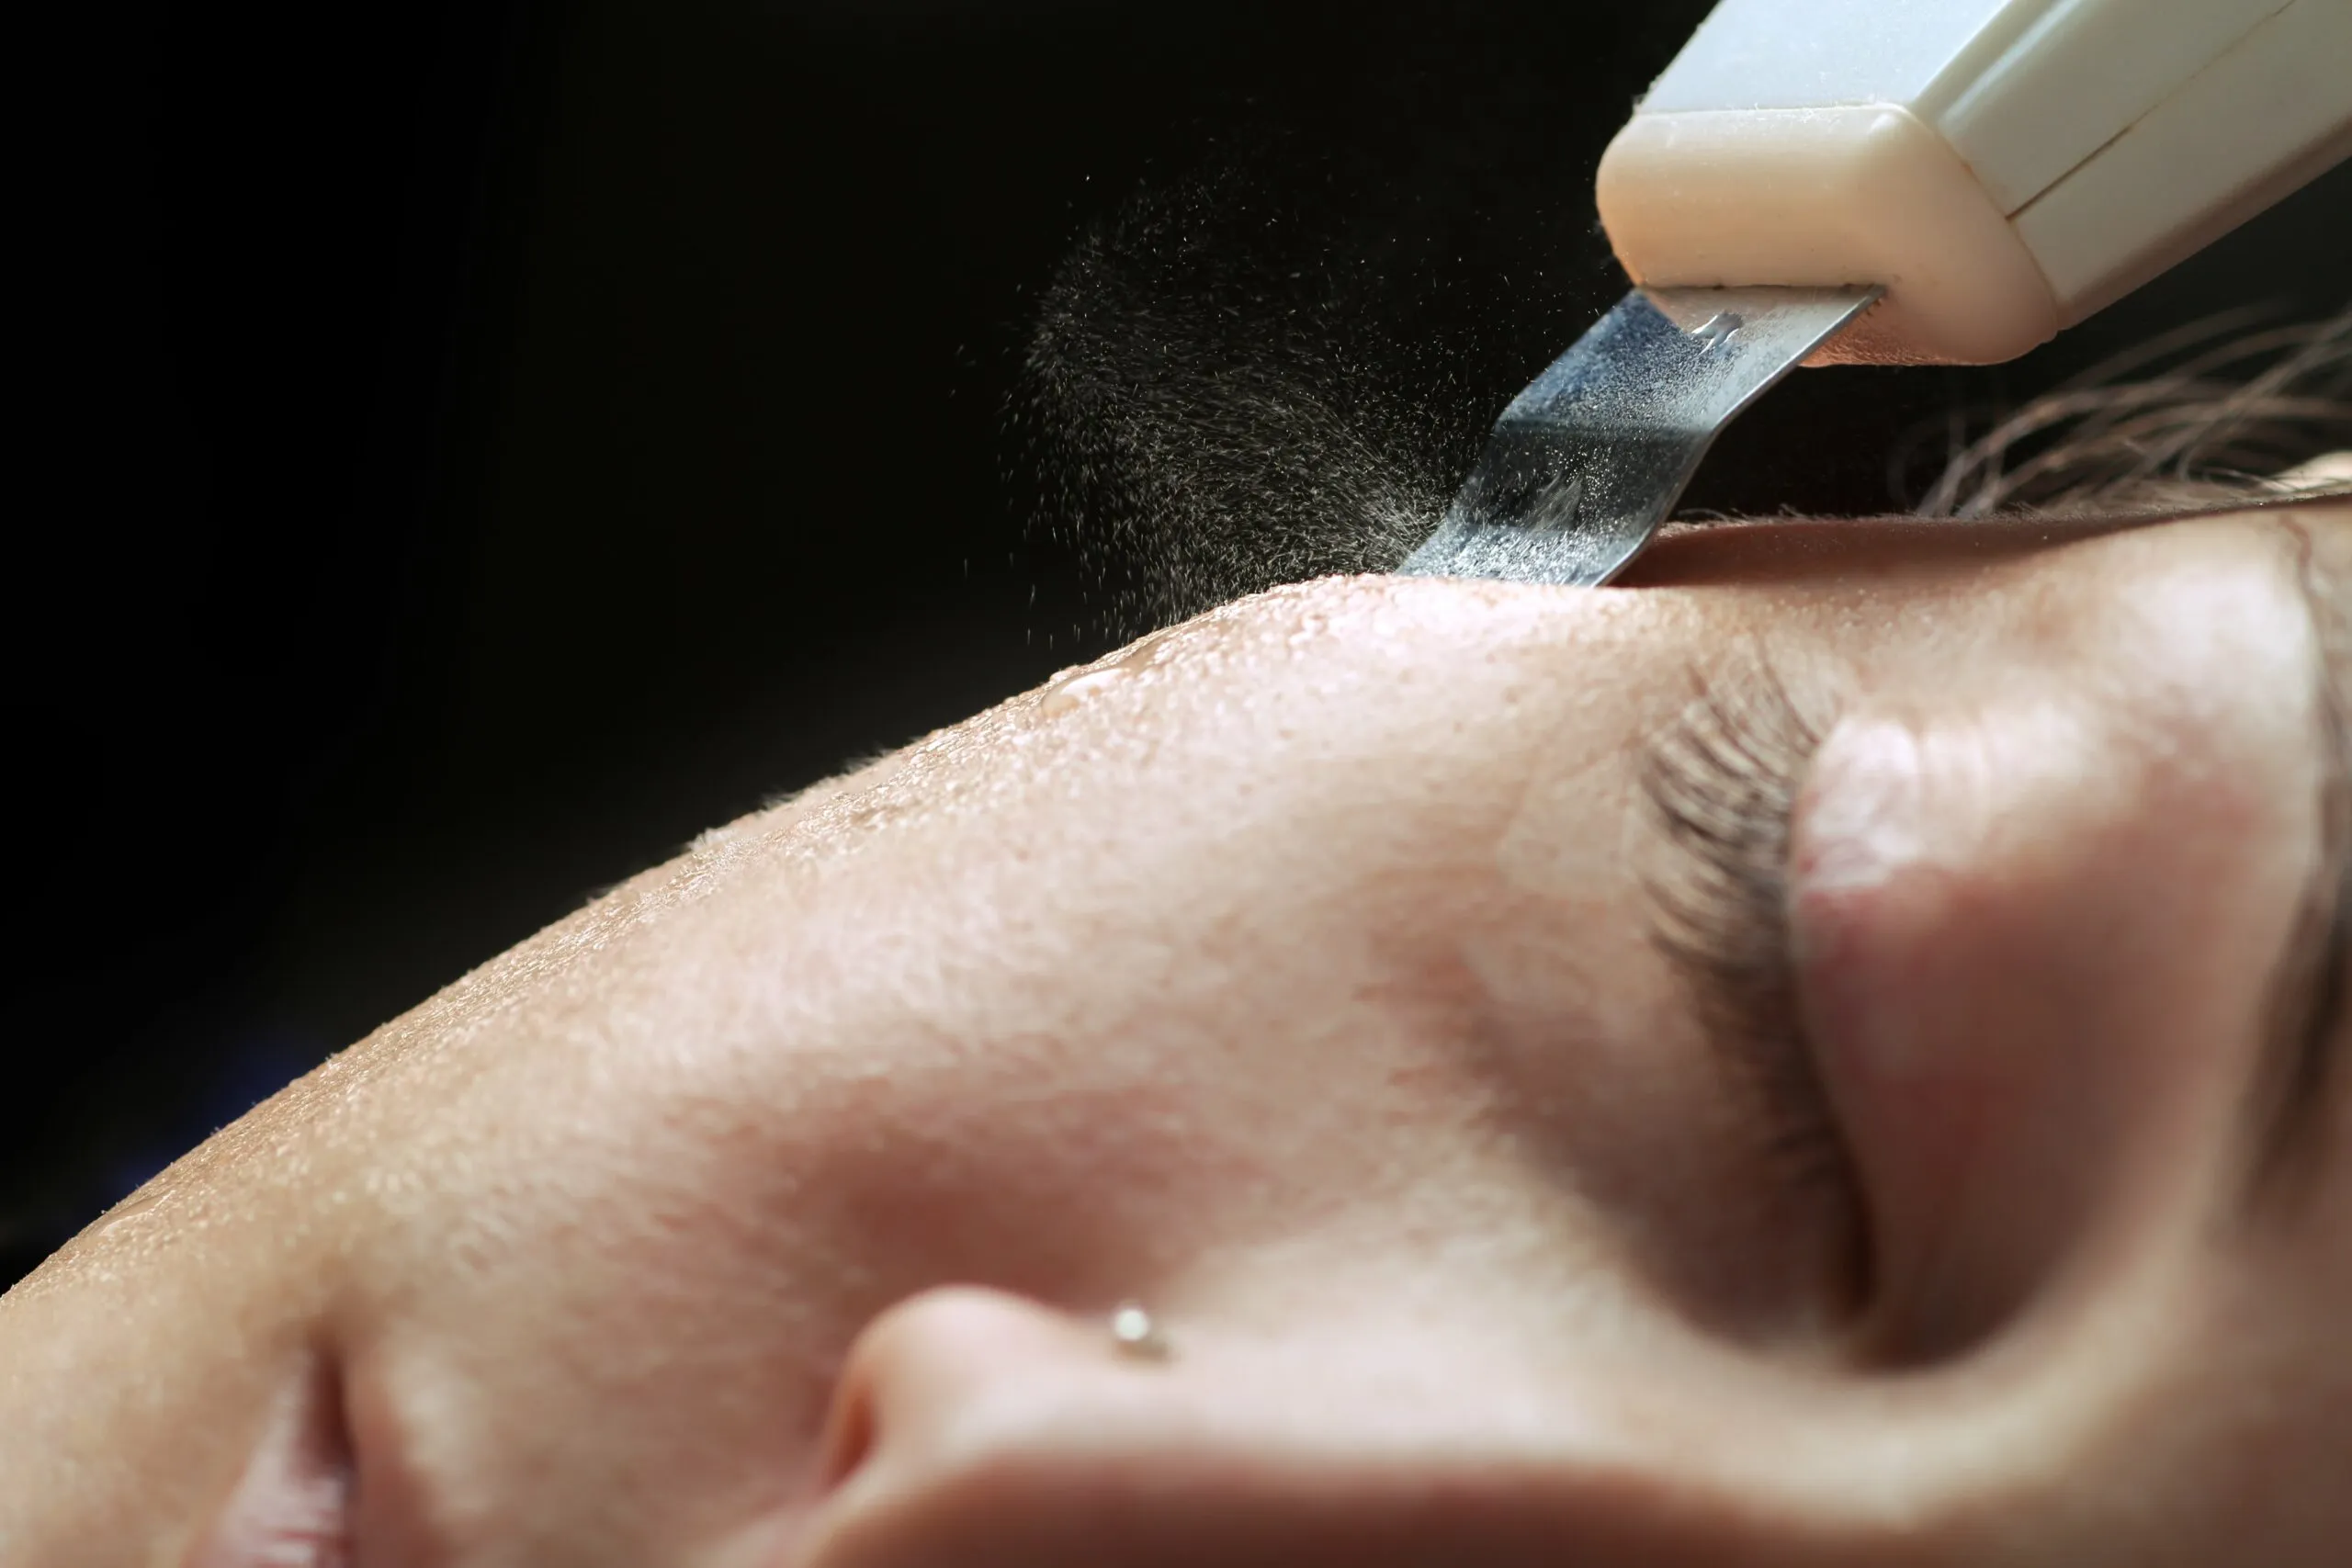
1297, 971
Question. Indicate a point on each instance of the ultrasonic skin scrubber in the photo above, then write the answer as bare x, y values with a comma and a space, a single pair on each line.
1935, 182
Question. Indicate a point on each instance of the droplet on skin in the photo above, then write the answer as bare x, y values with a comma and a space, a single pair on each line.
146, 1200
1065, 695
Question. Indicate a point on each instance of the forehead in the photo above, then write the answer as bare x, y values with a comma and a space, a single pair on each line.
1819, 549
1904, 551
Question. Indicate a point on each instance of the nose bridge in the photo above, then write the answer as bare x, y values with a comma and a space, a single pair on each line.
974, 1428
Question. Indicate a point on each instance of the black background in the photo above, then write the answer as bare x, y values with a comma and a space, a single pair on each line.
477, 446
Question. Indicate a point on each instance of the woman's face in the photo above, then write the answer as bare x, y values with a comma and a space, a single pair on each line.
1826, 1056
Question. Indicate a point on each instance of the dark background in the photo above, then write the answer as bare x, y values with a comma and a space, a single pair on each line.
479, 445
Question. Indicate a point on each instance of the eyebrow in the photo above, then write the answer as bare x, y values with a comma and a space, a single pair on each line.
2305, 1037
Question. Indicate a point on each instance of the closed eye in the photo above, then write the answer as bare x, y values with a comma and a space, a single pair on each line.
1721, 783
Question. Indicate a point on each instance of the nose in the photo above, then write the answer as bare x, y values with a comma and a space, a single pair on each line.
973, 1426
974, 1430
945, 1374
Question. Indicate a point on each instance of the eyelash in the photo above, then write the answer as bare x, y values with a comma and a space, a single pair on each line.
1722, 782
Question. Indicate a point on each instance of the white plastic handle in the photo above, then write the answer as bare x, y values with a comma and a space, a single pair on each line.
2003, 167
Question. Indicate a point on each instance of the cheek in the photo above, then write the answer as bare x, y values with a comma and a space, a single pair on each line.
1102, 1145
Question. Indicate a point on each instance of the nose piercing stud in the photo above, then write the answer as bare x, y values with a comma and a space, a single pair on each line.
1136, 1337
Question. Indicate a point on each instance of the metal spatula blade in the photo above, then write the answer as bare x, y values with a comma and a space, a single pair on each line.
1590, 459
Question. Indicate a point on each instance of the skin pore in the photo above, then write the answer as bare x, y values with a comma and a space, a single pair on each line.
1298, 973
